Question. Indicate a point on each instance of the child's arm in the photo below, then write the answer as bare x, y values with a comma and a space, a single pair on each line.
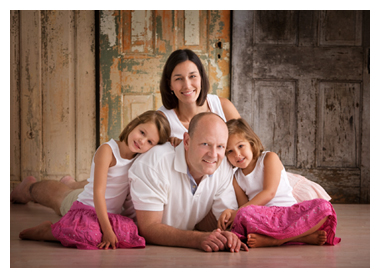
272, 175
103, 159
227, 217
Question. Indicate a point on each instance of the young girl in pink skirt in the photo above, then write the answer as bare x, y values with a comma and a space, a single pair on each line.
93, 221
268, 213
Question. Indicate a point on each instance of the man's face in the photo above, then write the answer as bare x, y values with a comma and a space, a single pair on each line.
206, 149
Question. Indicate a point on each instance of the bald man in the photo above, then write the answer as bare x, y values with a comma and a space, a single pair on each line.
174, 189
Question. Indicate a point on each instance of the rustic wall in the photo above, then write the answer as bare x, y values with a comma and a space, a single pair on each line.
52, 94
301, 79
134, 46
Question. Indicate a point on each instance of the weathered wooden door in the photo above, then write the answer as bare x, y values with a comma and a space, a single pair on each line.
301, 78
134, 46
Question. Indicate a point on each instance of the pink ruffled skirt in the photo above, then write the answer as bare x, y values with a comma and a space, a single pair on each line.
80, 228
304, 189
285, 222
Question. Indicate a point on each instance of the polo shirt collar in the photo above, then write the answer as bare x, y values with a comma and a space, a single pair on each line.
180, 164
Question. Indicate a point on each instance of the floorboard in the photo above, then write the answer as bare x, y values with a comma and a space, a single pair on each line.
353, 251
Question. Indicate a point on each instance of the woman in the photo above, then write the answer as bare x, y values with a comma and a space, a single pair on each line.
184, 89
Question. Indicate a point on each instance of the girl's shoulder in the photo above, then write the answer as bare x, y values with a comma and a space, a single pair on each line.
271, 158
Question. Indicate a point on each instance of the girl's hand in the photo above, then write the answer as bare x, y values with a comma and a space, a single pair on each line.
226, 219
108, 239
174, 141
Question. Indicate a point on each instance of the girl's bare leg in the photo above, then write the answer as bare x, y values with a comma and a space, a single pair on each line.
49, 193
72, 183
42, 232
312, 236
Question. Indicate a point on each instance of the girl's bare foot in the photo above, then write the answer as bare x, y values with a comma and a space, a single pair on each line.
257, 240
318, 237
72, 183
21, 193
41, 232
67, 180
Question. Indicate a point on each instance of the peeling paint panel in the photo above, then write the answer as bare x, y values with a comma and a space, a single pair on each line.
191, 28
344, 32
275, 119
338, 124
134, 67
142, 32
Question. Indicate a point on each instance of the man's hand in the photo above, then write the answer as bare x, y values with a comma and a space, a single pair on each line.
222, 240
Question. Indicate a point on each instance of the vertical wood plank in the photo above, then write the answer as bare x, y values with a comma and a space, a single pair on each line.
275, 117
365, 124
338, 125
191, 28
15, 96
85, 93
58, 91
242, 63
30, 92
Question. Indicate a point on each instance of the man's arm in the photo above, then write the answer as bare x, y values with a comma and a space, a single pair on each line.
151, 228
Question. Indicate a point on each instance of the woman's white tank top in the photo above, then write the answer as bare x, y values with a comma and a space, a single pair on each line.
252, 184
177, 128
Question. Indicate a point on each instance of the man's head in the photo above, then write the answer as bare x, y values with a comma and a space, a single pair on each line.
205, 144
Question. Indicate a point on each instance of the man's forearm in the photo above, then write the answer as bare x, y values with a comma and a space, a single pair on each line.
161, 234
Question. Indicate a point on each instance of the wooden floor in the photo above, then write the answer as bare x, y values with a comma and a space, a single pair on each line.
353, 251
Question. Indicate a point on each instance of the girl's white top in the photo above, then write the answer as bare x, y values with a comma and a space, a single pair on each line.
117, 185
252, 184
178, 129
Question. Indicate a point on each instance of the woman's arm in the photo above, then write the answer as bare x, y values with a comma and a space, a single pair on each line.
272, 175
229, 109
103, 160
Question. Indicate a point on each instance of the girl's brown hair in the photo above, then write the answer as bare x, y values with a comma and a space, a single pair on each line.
242, 128
155, 117
169, 100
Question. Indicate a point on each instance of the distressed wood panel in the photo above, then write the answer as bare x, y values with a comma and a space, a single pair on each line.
192, 26
275, 27
341, 184
323, 48
134, 105
56, 94
287, 62
275, 117
85, 93
338, 124
365, 124
132, 71
30, 93
15, 97
192, 31
341, 28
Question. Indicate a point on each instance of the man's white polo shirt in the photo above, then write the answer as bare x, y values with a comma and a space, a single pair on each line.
160, 183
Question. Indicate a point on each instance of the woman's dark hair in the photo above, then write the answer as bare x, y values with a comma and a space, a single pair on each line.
169, 100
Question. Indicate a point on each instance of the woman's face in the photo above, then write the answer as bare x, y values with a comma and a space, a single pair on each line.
186, 82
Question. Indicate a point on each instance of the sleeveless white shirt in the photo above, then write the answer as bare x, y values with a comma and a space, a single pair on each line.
252, 184
117, 184
177, 128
